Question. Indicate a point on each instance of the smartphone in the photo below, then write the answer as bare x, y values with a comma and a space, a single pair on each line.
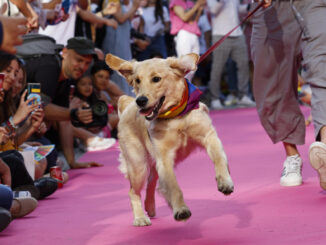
34, 91
2, 78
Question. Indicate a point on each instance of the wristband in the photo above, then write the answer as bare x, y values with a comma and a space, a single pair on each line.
12, 124
73, 115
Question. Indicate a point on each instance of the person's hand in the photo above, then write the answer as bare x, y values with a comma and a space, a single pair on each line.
37, 119
5, 175
266, 4
32, 23
111, 8
2, 95
33, 143
75, 102
85, 115
13, 29
85, 165
201, 2
136, 3
142, 44
24, 109
4, 136
111, 22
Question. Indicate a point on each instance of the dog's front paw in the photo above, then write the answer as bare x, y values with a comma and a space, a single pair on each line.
226, 187
142, 221
182, 214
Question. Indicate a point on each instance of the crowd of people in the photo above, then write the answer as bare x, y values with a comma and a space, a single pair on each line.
78, 95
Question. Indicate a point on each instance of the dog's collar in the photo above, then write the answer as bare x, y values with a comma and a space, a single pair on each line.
189, 101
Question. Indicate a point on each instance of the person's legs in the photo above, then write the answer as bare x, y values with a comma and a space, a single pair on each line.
220, 56
6, 197
314, 64
275, 50
239, 55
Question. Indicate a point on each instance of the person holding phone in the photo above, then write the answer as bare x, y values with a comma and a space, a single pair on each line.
55, 79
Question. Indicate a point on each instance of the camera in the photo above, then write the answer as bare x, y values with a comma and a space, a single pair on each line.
99, 113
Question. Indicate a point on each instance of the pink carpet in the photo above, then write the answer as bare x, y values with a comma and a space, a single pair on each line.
93, 207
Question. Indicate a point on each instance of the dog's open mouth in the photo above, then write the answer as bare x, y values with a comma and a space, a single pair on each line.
151, 113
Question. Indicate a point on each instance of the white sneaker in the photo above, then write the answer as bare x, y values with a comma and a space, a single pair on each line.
230, 100
291, 175
216, 105
245, 101
317, 156
98, 143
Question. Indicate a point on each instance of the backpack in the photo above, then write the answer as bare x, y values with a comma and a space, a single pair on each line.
35, 45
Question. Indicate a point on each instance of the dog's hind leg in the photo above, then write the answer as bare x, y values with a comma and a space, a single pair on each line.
216, 152
150, 192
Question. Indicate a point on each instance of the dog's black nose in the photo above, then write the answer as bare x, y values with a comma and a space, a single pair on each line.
141, 101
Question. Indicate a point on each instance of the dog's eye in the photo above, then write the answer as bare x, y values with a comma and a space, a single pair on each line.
156, 79
137, 80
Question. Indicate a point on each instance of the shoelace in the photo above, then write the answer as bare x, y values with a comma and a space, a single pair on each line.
291, 166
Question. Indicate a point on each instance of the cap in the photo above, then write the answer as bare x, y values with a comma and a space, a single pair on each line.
81, 45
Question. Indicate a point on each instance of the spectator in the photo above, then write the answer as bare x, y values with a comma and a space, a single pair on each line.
107, 90
184, 15
281, 33
225, 16
76, 58
117, 41
156, 22
11, 119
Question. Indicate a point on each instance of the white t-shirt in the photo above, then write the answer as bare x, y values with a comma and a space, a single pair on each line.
225, 16
64, 30
151, 27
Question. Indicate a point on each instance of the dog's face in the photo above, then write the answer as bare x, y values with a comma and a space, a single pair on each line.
158, 83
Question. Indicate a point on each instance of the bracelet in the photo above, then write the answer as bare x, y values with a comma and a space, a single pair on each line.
11, 122
73, 115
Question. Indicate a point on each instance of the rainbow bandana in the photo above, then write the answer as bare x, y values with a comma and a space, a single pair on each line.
189, 101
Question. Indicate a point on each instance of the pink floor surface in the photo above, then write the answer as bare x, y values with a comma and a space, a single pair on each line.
93, 207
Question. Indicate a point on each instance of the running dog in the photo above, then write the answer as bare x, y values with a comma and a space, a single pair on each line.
161, 127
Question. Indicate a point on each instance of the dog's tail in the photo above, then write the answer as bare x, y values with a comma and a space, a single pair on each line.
123, 102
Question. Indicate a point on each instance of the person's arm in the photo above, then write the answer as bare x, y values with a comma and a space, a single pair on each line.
58, 113
26, 9
123, 17
94, 19
267, 3
188, 15
51, 4
114, 92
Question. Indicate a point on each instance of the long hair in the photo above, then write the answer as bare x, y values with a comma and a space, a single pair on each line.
159, 10
8, 106
90, 99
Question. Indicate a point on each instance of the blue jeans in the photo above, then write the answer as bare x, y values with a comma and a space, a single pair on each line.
5, 197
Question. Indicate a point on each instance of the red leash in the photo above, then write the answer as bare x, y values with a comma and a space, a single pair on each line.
214, 46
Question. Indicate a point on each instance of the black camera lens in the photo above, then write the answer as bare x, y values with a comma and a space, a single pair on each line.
99, 108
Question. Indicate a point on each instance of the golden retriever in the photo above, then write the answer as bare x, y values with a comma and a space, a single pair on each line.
151, 144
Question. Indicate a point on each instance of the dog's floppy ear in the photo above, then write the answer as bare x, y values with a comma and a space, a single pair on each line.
120, 65
184, 63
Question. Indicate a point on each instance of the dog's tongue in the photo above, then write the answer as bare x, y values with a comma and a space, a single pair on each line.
147, 111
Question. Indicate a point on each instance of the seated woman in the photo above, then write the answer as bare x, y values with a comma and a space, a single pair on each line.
85, 94
106, 90
30, 115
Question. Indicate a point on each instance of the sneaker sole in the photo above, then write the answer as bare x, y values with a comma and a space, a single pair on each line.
317, 157
294, 183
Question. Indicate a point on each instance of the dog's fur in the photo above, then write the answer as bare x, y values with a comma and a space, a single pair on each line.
150, 147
